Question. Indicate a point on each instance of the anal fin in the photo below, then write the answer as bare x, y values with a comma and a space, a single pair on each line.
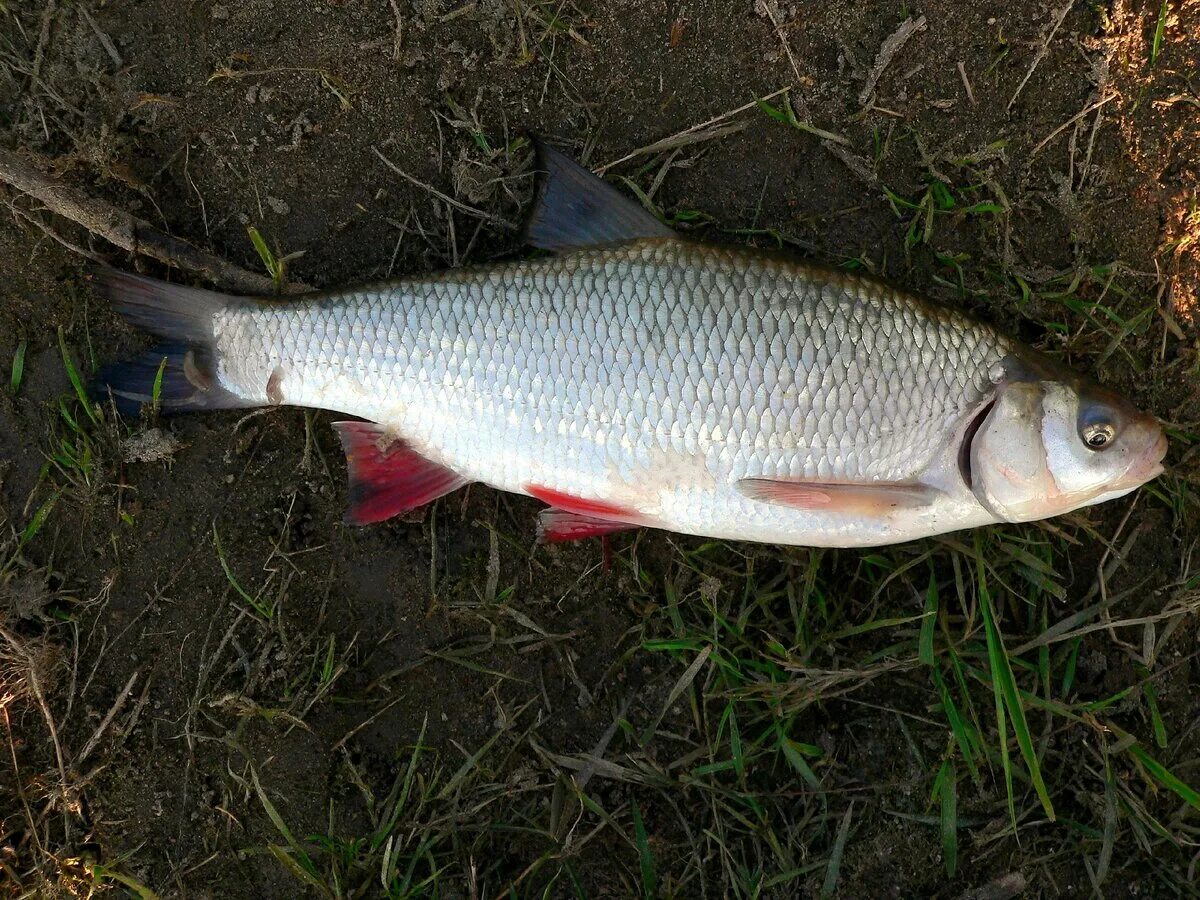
572, 518
558, 525
864, 498
387, 477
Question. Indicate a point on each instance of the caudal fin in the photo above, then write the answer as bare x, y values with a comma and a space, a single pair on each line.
183, 317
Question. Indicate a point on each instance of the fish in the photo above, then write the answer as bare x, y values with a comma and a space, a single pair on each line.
630, 377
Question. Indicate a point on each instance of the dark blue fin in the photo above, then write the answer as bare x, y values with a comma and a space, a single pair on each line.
576, 209
184, 317
171, 311
189, 382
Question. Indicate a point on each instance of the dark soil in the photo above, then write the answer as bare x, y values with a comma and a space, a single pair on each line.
208, 117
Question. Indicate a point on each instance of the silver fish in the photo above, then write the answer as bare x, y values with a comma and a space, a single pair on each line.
636, 378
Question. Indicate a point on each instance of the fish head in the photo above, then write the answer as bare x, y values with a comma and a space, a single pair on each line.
1048, 445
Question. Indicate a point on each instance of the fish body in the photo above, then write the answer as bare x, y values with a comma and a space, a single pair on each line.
640, 379
653, 376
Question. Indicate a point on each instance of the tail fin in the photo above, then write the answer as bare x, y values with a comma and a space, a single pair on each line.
170, 311
183, 316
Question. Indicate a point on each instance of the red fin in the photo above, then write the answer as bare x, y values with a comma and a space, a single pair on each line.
558, 525
595, 508
868, 499
386, 477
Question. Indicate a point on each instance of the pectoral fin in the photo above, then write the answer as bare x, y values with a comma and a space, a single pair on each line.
860, 499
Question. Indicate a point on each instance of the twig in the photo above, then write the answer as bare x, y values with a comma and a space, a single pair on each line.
107, 720
669, 143
129, 232
769, 8
43, 39
105, 40
52, 234
1042, 50
12, 749
1071, 121
678, 141
1105, 570
856, 164
371, 718
962, 71
396, 41
887, 52
445, 198
1056, 635
35, 685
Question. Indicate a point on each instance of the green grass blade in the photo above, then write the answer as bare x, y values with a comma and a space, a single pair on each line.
1005, 760
1044, 654
1068, 679
297, 869
38, 520
18, 368
1156, 720
786, 114
796, 760
298, 862
1159, 28
405, 788
1165, 776
156, 390
645, 855
735, 744
777, 114
1108, 839
958, 726
1002, 676
135, 887
948, 800
264, 611
928, 623
270, 262
327, 665
73, 375
865, 627
27, 534
834, 868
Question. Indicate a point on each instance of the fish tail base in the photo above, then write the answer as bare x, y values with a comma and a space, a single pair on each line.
179, 375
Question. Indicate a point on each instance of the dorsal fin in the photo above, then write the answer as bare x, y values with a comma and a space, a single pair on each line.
576, 209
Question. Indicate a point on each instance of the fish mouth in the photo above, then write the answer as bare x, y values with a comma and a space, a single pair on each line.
1149, 465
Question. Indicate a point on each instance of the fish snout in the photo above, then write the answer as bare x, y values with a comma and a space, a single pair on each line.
1148, 464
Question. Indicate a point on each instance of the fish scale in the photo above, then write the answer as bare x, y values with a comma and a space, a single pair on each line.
639, 374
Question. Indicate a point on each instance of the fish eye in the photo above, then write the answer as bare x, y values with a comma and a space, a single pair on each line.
1098, 435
